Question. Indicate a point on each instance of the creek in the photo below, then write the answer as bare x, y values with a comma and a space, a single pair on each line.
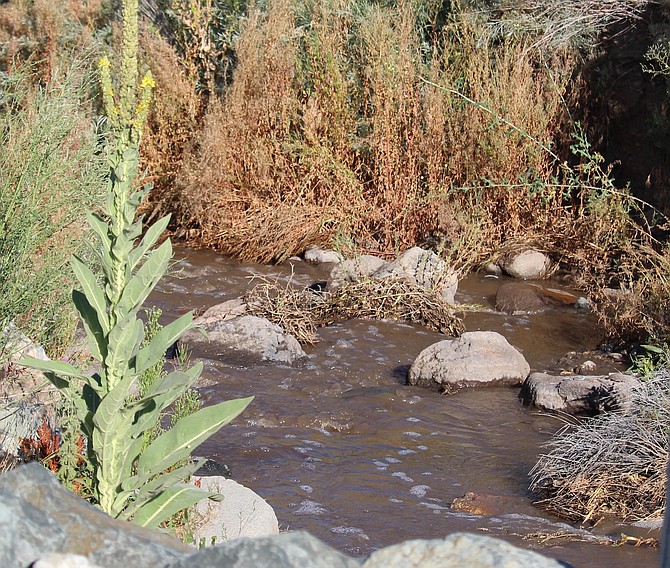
343, 448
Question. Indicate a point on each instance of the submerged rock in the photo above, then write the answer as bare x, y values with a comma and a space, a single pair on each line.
579, 394
523, 298
248, 337
477, 358
527, 265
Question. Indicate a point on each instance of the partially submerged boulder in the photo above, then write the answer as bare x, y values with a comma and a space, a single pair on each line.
579, 394
242, 513
424, 268
247, 338
529, 264
524, 298
476, 358
418, 266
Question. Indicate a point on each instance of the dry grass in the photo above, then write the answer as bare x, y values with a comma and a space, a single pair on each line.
614, 464
302, 311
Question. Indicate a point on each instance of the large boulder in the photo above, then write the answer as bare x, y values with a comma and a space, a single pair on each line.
353, 269
458, 550
247, 339
579, 394
477, 358
425, 268
319, 256
38, 517
528, 265
241, 513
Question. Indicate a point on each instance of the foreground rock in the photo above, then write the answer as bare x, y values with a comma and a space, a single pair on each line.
579, 394
319, 256
419, 266
246, 339
42, 523
458, 550
477, 358
242, 513
528, 265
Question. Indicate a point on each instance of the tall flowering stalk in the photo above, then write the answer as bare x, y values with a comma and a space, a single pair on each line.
131, 481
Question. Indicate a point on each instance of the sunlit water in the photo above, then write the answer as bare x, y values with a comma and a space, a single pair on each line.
343, 448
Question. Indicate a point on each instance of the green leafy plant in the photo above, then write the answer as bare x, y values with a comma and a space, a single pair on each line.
131, 481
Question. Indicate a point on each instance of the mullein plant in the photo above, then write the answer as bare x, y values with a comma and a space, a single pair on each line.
132, 480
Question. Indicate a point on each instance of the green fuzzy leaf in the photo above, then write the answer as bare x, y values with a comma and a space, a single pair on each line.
61, 368
148, 356
89, 317
144, 280
177, 443
178, 497
151, 236
93, 292
123, 342
99, 225
145, 491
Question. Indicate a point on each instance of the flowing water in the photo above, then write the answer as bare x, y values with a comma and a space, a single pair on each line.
343, 448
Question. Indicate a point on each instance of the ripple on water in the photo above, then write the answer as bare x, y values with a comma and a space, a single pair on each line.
353, 531
402, 475
419, 490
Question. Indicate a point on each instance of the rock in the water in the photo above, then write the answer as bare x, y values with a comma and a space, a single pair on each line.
221, 312
353, 269
286, 550
477, 358
242, 513
492, 505
519, 298
248, 338
528, 265
424, 268
579, 394
458, 550
38, 516
319, 256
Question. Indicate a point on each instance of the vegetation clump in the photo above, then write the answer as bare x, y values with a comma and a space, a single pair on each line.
302, 311
612, 464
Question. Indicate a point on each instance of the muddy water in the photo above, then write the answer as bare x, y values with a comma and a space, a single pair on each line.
344, 449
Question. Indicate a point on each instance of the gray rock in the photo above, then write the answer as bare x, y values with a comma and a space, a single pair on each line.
19, 421
319, 256
579, 394
242, 513
458, 550
286, 550
518, 298
477, 358
424, 268
38, 517
248, 338
353, 269
528, 265
14, 344
55, 560
221, 312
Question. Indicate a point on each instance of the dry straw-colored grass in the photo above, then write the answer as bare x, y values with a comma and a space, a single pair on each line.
301, 311
613, 464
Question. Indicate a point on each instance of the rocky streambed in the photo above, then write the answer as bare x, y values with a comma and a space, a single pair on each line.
340, 445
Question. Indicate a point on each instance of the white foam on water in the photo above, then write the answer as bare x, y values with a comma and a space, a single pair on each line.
389, 459
313, 443
381, 466
434, 506
307, 488
402, 475
350, 531
406, 452
309, 508
412, 419
419, 490
395, 500
412, 434
422, 448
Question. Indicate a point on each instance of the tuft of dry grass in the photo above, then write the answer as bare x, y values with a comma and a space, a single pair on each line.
301, 312
613, 464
